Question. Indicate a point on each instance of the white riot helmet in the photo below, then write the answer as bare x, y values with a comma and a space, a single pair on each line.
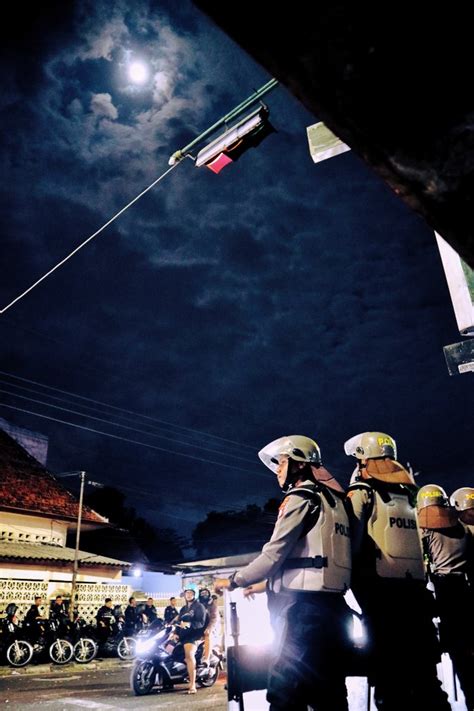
377, 452
297, 447
371, 445
463, 501
433, 508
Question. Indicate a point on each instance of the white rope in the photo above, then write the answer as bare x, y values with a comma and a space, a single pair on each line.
83, 244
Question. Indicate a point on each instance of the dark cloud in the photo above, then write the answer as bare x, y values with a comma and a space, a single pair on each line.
278, 297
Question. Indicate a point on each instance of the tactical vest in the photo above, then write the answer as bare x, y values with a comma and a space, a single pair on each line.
321, 558
393, 528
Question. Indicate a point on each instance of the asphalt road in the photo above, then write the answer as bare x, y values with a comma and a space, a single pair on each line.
70, 690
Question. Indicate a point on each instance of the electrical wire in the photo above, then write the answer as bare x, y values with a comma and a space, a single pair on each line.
131, 441
130, 412
126, 427
83, 244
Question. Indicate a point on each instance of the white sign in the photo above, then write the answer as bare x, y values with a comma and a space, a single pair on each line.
460, 278
323, 143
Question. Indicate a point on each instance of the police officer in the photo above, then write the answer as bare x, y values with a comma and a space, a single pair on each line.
105, 619
150, 610
131, 616
171, 611
58, 609
307, 566
463, 501
388, 577
34, 619
447, 544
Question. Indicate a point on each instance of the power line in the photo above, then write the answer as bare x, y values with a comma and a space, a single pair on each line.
83, 244
126, 427
129, 412
131, 441
127, 418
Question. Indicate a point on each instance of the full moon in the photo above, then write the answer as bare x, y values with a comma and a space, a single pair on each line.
138, 72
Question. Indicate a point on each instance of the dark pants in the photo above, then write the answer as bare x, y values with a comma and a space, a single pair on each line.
454, 599
404, 647
310, 666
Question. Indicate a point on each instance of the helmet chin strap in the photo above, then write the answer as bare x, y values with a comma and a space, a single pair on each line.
292, 474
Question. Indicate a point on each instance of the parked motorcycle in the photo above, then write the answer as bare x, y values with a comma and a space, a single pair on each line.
117, 642
17, 651
81, 635
45, 638
160, 663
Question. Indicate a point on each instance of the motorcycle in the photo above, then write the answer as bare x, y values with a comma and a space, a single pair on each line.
43, 635
80, 635
117, 641
17, 650
160, 663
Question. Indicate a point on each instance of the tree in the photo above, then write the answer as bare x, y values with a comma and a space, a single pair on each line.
225, 533
158, 544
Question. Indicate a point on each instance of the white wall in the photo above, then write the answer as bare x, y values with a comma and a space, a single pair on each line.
21, 528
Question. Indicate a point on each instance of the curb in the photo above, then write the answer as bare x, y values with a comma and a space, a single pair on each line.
58, 670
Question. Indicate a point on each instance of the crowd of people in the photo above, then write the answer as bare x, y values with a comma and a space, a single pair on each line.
197, 619
407, 556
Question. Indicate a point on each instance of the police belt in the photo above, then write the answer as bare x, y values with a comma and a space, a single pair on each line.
318, 561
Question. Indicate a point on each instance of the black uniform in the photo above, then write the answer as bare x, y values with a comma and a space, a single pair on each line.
131, 618
31, 616
33, 624
170, 613
58, 612
150, 612
105, 618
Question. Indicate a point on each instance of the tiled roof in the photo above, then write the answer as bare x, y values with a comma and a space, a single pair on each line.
26, 486
40, 552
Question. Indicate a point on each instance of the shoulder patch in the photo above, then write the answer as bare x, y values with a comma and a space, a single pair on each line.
283, 506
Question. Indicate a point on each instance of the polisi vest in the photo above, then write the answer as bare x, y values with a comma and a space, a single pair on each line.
393, 528
321, 559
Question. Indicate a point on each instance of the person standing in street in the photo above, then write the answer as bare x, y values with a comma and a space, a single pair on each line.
307, 567
388, 578
213, 620
447, 544
131, 616
192, 619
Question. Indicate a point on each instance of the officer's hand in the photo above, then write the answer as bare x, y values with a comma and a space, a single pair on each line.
255, 589
220, 584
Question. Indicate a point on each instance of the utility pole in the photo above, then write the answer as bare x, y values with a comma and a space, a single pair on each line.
76, 550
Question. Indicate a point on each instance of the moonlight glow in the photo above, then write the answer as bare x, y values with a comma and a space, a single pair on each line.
138, 72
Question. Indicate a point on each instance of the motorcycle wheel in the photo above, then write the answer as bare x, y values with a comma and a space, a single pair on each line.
210, 678
85, 650
19, 653
126, 648
61, 651
142, 678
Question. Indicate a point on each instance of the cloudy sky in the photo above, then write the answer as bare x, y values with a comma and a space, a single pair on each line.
220, 311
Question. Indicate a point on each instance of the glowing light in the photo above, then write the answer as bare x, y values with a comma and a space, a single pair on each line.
254, 620
136, 572
138, 72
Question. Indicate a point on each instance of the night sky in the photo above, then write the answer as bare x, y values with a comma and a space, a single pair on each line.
221, 311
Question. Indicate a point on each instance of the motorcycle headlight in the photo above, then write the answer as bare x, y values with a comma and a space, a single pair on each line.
144, 645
